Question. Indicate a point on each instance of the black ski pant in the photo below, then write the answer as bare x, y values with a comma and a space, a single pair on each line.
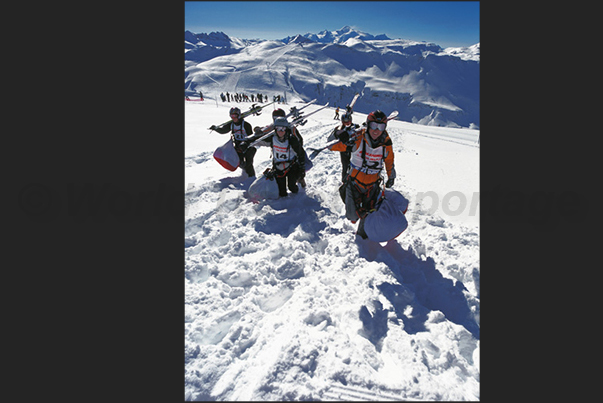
288, 180
345, 164
359, 200
246, 160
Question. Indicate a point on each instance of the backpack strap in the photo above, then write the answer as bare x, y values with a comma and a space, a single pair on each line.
364, 165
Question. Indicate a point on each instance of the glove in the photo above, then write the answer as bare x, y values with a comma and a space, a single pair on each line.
257, 130
269, 173
389, 183
353, 136
343, 136
213, 127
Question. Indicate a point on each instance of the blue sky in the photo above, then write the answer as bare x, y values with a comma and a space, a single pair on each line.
444, 23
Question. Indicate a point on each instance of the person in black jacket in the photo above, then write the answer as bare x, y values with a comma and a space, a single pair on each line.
275, 114
294, 132
288, 156
240, 130
346, 133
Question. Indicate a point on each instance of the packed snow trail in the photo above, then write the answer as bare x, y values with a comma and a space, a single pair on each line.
231, 81
284, 302
278, 54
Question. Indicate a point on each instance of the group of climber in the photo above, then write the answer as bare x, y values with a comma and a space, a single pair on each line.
365, 152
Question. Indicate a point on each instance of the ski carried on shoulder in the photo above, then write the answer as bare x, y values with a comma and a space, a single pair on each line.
316, 151
254, 110
299, 121
350, 108
295, 111
302, 120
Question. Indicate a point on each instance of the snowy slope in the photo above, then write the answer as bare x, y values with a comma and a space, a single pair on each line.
283, 301
425, 83
469, 53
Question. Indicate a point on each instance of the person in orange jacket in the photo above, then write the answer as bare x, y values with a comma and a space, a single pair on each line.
370, 154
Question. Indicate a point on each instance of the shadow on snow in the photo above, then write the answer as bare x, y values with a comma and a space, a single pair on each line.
419, 286
291, 212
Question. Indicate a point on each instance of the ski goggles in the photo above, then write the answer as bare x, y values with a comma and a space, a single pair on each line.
377, 126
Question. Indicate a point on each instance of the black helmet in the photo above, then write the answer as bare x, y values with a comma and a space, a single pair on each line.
346, 117
235, 110
278, 112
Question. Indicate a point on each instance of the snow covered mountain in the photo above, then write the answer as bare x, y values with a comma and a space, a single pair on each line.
202, 47
425, 83
470, 53
282, 300
338, 36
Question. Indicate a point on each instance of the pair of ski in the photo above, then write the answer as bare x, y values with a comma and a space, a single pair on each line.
296, 113
316, 151
254, 110
350, 108
298, 121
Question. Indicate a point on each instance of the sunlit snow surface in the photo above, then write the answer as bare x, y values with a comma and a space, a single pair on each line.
284, 302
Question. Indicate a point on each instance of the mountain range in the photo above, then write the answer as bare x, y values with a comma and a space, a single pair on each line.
426, 83
338, 36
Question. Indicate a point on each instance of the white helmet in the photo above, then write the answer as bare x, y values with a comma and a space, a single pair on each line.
281, 121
